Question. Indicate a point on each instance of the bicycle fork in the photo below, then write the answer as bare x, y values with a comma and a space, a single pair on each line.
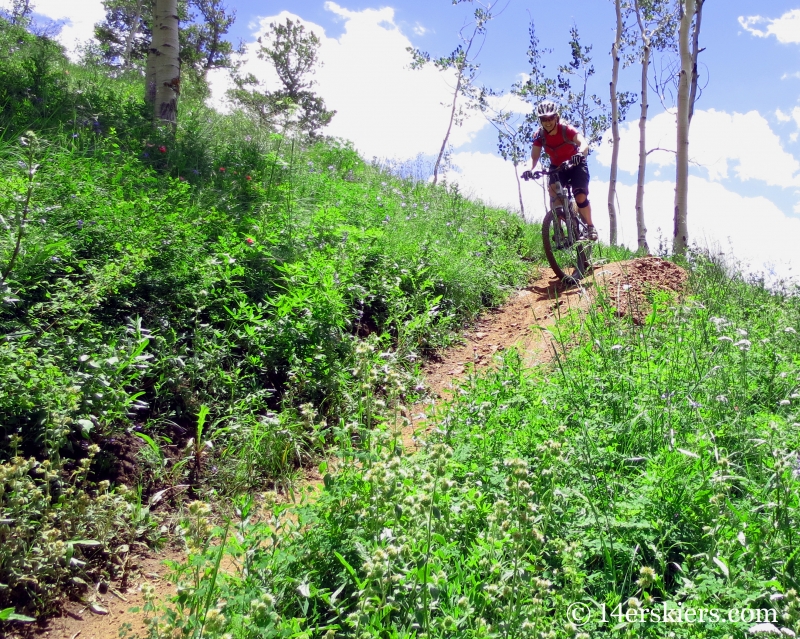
563, 213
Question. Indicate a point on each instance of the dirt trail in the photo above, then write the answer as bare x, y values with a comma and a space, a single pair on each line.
518, 324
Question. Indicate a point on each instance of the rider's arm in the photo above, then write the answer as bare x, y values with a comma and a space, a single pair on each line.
536, 151
583, 145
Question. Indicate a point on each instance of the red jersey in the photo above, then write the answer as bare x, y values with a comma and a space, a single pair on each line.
561, 145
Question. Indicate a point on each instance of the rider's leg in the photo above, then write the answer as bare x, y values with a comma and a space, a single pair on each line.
553, 199
585, 211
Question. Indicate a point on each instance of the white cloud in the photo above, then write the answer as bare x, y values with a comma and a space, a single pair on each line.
490, 178
754, 229
788, 117
79, 18
385, 108
786, 76
786, 28
718, 141
420, 30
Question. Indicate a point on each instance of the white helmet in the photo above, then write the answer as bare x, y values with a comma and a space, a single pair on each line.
546, 108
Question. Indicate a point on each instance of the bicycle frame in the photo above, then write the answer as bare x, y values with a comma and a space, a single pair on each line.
568, 230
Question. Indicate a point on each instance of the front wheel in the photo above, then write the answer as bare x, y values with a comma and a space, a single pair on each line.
565, 252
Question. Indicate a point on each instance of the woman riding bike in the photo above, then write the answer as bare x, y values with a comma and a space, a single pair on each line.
563, 142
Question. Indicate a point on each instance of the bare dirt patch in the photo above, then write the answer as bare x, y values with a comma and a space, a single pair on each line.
105, 609
519, 322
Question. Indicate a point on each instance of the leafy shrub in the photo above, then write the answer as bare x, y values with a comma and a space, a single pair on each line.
58, 535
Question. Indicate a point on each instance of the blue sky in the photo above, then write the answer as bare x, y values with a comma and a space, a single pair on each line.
745, 185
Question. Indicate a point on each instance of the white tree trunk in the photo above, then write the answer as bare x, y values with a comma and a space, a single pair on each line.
695, 53
680, 236
612, 180
641, 229
519, 192
449, 127
126, 57
163, 62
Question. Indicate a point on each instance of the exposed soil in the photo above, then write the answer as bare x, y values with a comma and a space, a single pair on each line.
105, 610
517, 324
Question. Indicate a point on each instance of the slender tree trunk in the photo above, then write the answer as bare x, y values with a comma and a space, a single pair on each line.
519, 192
165, 62
612, 180
641, 229
459, 82
126, 57
449, 127
695, 53
680, 236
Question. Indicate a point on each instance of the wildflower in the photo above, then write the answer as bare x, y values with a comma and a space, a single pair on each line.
616, 347
743, 344
181, 178
722, 399
80, 224
646, 576
162, 149
789, 329
724, 338
741, 332
222, 169
74, 135
247, 177
249, 241
784, 402
248, 138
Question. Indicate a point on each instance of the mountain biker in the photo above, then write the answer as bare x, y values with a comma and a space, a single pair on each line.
563, 142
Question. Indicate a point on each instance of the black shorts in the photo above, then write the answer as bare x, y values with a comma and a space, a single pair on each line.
577, 177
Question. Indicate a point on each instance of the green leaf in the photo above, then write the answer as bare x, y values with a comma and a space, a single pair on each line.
350, 569
8, 614
149, 441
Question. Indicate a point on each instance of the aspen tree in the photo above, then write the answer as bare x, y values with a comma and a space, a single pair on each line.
680, 236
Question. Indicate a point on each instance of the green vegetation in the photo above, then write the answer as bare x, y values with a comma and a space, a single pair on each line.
199, 299
228, 304
655, 463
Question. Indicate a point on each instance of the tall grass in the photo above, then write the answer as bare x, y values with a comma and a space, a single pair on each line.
654, 466
228, 271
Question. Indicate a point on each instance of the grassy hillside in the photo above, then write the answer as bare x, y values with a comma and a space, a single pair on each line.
652, 471
215, 309
189, 308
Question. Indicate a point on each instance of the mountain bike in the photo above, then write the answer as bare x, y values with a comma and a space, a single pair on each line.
564, 233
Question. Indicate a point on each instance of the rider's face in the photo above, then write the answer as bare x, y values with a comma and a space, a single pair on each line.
549, 122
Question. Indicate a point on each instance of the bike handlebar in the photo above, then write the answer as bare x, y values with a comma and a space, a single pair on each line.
561, 167
535, 175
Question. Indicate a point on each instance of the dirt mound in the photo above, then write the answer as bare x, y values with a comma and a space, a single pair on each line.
631, 284
518, 323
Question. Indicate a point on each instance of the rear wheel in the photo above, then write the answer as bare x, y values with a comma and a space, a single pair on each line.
566, 254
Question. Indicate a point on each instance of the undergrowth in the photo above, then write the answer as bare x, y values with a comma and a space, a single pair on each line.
655, 468
193, 303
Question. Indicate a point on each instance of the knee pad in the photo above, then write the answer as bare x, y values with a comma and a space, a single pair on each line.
584, 204
580, 191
